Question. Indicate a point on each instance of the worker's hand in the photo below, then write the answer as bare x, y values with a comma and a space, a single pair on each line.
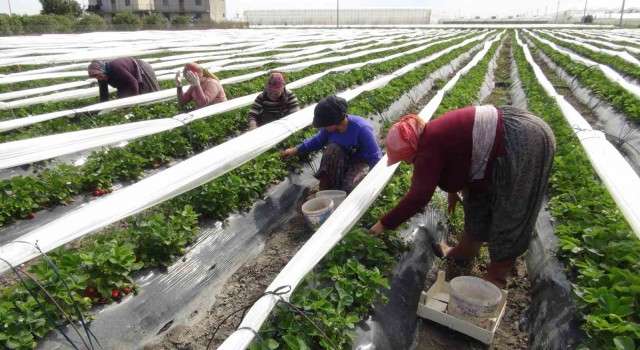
377, 229
178, 79
453, 200
252, 125
289, 152
192, 78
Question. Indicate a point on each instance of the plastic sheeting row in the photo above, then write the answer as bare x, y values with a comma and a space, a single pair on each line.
219, 65
31, 150
614, 171
596, 40
150, 42
621, 54
606, 70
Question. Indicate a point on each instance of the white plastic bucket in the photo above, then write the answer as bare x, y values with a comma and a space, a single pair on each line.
473, 299
317, 210
336, 195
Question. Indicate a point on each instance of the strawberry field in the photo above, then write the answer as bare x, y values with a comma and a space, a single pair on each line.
124, 223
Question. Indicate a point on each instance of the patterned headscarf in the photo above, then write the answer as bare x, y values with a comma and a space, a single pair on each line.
97, 67
196, 68
275, 83
403, 138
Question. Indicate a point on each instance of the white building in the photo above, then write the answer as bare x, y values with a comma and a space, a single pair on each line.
202, 10
343, 17
630, 17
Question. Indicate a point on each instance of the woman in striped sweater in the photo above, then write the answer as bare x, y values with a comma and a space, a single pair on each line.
275, 102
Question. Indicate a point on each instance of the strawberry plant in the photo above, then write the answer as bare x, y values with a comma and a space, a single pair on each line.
620, 99
596, 243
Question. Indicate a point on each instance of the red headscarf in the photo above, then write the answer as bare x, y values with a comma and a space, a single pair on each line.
403, 138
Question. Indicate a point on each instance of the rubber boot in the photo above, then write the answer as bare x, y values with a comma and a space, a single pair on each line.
497, 272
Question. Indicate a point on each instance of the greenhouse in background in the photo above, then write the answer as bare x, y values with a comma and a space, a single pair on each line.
343, 17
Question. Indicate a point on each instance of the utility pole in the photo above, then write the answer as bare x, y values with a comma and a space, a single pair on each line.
584, 16
558, 11
621, 12
9, 1
337, 13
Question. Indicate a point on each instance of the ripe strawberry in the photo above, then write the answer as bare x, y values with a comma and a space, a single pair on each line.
114, 293
102, 300
102, 191
96, 193
31, 215
126, 290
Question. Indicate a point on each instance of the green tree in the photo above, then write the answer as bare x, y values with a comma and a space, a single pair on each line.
10, 25
156, 21
126, 21
588, 19
180, 21
61, 7
47, 24
91, 23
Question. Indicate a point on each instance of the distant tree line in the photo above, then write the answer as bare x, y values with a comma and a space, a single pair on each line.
67, 16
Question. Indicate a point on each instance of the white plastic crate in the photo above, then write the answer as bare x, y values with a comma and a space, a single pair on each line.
433, 306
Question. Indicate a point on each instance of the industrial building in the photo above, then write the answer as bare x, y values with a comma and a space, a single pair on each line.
198, 10
339, 16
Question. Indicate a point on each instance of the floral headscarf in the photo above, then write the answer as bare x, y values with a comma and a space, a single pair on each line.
275, 83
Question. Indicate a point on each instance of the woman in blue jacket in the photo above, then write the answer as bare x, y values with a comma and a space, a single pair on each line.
350, 147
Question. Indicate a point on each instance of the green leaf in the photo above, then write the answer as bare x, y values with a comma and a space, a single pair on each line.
624, 343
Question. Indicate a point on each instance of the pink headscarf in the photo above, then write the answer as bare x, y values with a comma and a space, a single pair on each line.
403, 138
275, 83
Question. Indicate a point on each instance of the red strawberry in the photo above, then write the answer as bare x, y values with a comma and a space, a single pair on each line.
102, 300
31, 215
126, 290
114, 293
96, 193
102, 191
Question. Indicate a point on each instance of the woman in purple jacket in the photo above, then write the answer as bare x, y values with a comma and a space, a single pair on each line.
129, 75
351, 147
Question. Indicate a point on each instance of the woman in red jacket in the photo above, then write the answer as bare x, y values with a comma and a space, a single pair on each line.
499, 158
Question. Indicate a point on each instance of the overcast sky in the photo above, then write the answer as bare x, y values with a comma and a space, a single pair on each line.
449, 8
